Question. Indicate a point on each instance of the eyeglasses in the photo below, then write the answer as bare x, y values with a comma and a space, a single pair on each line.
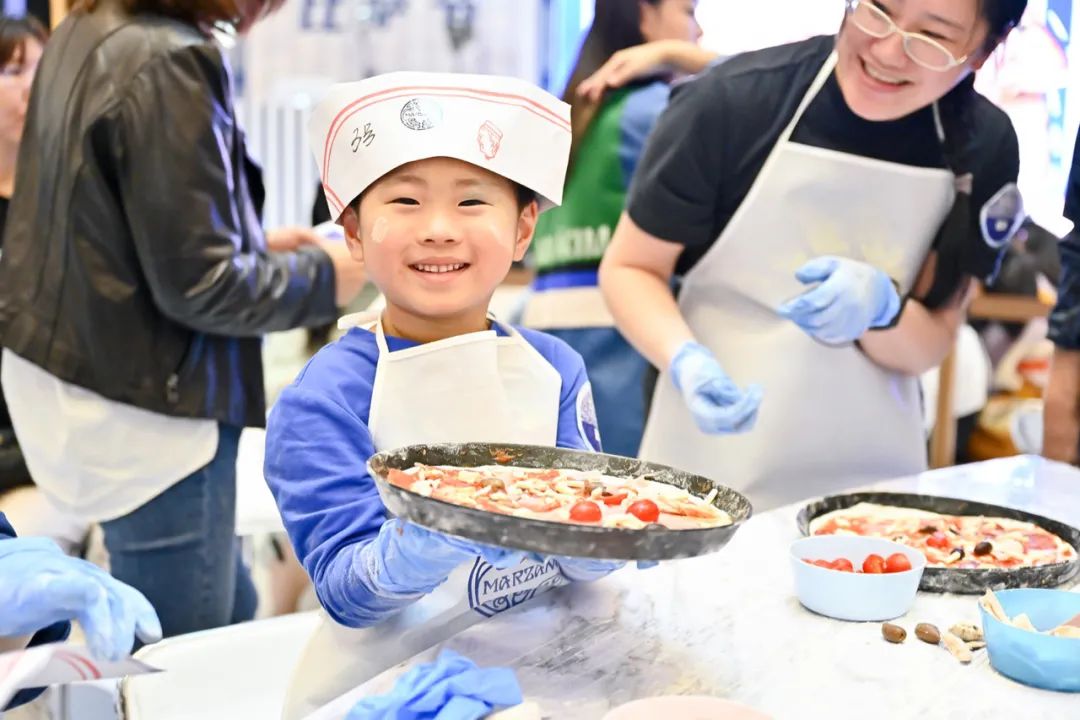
928, 53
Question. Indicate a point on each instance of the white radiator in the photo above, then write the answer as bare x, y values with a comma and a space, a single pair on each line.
277, 139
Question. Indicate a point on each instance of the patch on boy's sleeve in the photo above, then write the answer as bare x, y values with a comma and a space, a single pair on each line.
588, 428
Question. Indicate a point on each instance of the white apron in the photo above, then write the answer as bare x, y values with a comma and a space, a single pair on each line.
830, 418
477, 387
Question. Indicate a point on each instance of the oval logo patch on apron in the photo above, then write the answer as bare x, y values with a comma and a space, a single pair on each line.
492, 591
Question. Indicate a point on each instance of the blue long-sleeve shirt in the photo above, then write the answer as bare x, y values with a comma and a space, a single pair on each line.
51, 634
318, 444
1065, 319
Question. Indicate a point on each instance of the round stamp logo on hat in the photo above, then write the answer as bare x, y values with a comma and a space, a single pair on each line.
489, 138
421, 114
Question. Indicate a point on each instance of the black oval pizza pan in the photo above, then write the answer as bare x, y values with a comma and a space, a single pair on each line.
547, 537
962, 580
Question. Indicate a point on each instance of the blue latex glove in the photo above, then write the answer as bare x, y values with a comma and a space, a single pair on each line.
715, 401
406, 559
852, 297
40, 586
589, 569
451, 688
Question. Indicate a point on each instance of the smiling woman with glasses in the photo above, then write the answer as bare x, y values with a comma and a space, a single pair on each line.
827, 205
920, 47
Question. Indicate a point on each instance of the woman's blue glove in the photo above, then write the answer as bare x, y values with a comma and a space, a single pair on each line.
715, 401
852, 297
451, 688
40, 586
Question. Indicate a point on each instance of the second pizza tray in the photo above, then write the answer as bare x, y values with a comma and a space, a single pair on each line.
547, 537
961, 580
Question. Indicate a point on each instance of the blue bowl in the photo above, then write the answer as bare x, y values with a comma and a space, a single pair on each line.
1042, 661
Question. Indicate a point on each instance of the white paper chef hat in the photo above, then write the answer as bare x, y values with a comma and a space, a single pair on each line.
362, 130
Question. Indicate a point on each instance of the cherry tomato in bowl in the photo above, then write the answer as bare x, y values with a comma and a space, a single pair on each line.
897, 562
874, 564
842, 564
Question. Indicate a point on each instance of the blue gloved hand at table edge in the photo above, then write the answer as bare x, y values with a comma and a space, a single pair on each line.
717, 404
42, 586
851, 298
450, 688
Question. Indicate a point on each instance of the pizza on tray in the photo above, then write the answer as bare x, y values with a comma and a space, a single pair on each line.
568, 496
951, 541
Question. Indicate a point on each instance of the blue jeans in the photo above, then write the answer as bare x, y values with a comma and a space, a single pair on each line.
617, 373
181, 551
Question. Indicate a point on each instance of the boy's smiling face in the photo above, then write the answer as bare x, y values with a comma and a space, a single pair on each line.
437, 237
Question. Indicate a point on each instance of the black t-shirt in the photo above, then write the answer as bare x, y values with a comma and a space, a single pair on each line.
5, 418
4, 202
1072, 192
713, 139
13, 471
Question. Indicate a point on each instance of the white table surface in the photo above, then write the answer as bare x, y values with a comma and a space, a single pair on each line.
729, 625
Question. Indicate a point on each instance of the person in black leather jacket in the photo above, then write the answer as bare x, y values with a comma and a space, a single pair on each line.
135, 285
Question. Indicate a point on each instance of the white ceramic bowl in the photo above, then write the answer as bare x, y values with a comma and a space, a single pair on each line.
854, 596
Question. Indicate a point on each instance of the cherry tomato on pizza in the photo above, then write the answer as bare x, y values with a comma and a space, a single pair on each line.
938, 540
613, 498
586, 511
645, 511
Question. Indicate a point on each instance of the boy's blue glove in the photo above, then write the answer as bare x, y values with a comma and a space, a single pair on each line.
451, 688
852, 297
40, 586
406, 559
588, 569
713, 398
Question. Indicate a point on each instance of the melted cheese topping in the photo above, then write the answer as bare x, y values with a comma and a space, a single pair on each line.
960, 541
549, 494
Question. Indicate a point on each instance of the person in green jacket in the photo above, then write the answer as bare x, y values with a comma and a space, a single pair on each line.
611, 117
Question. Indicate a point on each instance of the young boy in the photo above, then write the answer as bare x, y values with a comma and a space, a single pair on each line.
437, 180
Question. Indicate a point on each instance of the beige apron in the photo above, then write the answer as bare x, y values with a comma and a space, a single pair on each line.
476, 387
830, 418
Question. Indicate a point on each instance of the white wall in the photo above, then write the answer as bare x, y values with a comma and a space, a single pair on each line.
731, 26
